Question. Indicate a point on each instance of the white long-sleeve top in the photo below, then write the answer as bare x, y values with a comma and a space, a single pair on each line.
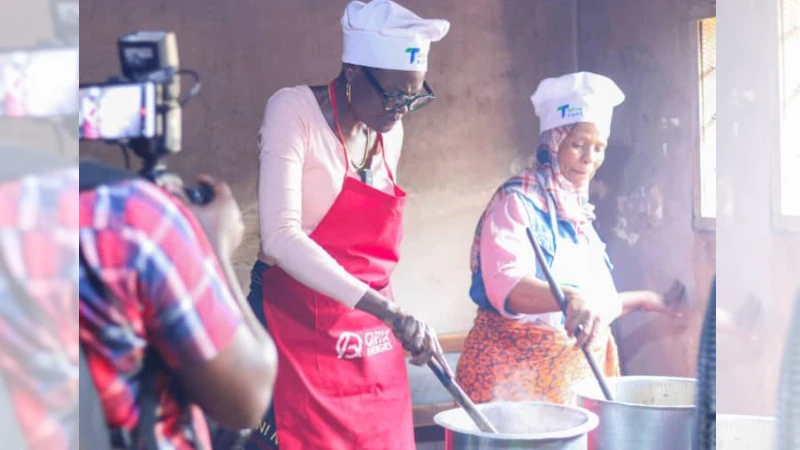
302, 168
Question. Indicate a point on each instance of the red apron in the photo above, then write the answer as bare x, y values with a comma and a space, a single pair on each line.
342, 380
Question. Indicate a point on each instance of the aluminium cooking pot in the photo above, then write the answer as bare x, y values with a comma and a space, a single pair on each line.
739, 432
647, 413
521, 425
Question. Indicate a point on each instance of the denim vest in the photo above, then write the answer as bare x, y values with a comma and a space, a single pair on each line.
559, 243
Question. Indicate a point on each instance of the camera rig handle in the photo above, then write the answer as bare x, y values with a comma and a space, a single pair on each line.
154, 169
200, 194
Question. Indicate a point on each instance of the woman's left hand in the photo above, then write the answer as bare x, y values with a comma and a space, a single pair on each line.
670, 302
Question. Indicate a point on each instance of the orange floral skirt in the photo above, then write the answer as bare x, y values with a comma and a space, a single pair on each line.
507, 360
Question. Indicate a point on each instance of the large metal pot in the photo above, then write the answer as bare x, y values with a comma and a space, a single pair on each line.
648, 413
735, 432
521, 425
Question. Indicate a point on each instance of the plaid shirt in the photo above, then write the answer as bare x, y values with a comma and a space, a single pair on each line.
153, 255
39, 307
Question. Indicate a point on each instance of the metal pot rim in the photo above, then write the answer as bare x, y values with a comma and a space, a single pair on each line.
745, 418
599, 399
592, 421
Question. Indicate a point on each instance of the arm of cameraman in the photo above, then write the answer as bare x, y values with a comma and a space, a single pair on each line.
250, 320
240, 401
235, 387
222, 222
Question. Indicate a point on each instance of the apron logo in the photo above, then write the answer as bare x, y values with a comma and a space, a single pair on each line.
378, 342
349, 346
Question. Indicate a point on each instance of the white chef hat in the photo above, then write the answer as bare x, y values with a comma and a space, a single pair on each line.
385, 35
577, 97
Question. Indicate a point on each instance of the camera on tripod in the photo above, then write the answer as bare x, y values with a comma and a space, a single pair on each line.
141, 109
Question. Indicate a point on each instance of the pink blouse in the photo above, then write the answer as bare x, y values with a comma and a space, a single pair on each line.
302, 168
507, 256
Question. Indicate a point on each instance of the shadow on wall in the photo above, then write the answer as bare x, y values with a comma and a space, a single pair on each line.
643, 193
530, 64
244, 53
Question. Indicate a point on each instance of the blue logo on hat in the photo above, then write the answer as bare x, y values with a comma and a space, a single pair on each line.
570, 112
413, 51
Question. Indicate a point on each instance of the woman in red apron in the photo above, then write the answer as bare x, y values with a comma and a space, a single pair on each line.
331, 226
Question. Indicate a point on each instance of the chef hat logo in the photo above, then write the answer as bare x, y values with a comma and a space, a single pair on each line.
416, 55
568, 111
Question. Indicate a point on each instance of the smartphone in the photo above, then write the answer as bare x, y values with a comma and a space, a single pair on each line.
117, 112
38, 83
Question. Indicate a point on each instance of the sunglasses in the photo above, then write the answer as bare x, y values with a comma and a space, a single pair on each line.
396, 102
